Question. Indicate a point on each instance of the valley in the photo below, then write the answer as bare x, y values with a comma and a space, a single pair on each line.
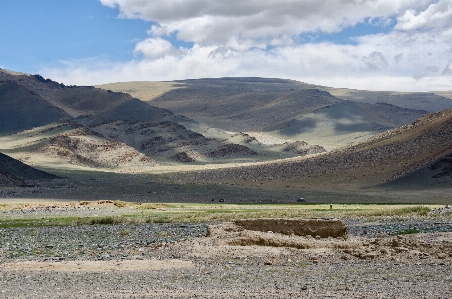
239, 139
107, 194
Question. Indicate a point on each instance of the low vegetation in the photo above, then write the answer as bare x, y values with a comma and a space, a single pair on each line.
119, 212
407, 232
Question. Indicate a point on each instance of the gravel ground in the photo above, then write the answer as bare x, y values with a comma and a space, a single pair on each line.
223, 271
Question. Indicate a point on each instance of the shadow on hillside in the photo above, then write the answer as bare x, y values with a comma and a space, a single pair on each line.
438, 175
298, 126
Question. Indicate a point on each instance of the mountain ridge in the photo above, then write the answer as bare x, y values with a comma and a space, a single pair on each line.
112, 120
288, 109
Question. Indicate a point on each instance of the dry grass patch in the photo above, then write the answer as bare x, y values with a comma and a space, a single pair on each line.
120, 212
152, 206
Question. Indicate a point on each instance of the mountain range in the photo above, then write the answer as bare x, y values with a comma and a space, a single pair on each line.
70, 126
270, 134
287, 109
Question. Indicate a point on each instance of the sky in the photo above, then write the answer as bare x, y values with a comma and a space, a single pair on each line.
396, 45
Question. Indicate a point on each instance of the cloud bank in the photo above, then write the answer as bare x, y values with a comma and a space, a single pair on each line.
411, 49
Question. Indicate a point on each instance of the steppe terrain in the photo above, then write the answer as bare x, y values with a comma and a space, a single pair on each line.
241, 139
109, 249
287, 109
140, 190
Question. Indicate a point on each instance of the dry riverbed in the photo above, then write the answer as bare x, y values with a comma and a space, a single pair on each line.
387, 257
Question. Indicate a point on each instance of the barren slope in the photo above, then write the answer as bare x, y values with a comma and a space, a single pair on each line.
31, 101
429, 101
87, 100
13, 172
287, 109
167, 141
383, 158
73, 146
22, 109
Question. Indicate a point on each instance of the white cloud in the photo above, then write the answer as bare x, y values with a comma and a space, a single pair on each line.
398, 57
428, 71
437, 15
447, 70
322, 63
155, 48
375, 61
209, 22
261, 38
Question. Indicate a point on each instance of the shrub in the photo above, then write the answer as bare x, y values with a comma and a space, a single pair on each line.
124, 232
121, 204
407, 232
106, 220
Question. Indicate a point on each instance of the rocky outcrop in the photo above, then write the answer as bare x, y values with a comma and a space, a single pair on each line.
302, 148
230, 150
183, 157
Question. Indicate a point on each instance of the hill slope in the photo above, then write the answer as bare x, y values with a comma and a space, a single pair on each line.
112, 120
384, 158
13, 172
287, 109
87, 100
22, 109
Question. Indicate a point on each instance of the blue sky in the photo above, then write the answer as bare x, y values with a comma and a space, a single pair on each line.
379, 45
36, 34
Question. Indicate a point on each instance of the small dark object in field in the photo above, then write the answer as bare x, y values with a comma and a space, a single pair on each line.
301, 199
407, 232
221, 200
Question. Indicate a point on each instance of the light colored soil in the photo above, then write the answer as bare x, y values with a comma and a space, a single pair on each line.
143, 90
94, 266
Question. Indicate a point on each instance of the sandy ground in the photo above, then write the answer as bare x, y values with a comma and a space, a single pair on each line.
93, 266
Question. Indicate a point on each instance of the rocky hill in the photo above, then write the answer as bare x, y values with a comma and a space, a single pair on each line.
14, 173
53, 125
287, 109
387, 157
22, 109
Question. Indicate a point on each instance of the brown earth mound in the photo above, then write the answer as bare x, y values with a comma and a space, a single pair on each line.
313, 227
409, 246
